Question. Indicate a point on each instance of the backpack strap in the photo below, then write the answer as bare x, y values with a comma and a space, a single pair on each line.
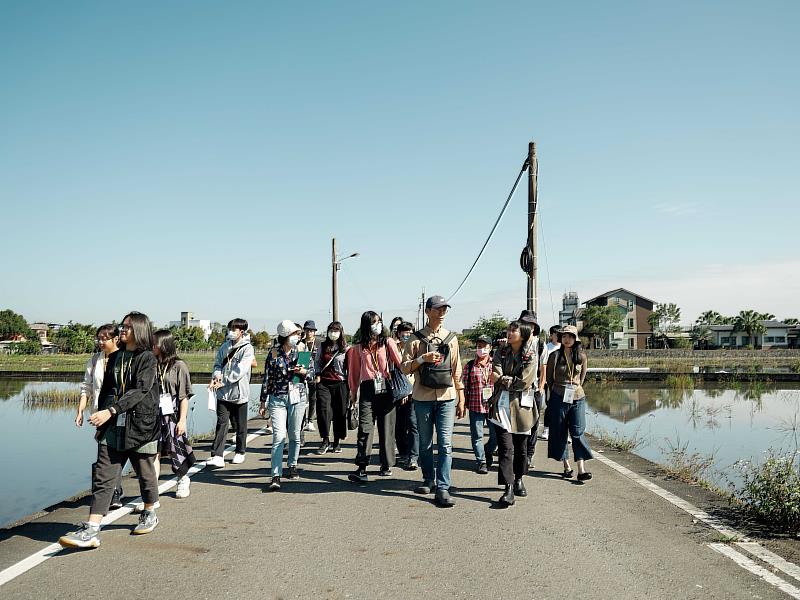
446, 341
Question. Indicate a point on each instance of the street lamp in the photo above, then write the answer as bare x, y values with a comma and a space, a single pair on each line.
336, 264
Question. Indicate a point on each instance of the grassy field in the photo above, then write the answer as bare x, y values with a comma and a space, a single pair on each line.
202, 362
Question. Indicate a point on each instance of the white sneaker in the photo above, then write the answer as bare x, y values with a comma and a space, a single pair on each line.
546, 433
182, 491
311, 426
238, 459
139, 506
216, 461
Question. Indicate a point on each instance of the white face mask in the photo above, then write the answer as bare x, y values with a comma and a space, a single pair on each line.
376, 328
333, 335
482, 351
293, 340
232, 335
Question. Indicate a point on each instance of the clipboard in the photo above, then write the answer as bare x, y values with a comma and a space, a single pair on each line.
303, 360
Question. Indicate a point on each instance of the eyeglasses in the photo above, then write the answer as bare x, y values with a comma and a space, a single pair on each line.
126, 327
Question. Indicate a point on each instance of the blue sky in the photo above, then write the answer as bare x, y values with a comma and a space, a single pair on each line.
172, 156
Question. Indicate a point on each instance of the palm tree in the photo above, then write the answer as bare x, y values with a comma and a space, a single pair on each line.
710, 317
749, 321
701, 335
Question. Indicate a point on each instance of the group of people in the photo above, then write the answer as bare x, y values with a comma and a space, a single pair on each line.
410, 384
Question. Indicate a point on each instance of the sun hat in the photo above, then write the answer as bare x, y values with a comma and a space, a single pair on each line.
571, 329
310, 325
287, 328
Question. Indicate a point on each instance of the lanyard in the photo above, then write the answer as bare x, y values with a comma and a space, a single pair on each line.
162, 374
374, 356
122, 381
570, 368
484, 373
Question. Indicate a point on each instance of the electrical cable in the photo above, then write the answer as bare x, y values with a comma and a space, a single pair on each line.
491, 233
547, 265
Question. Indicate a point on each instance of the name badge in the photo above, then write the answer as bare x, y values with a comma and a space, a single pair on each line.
121, 419
526, 399
165, 404
569, 394
380, 384
486, 392
294, 393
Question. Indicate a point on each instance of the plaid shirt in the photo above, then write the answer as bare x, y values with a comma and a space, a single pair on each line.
475, 379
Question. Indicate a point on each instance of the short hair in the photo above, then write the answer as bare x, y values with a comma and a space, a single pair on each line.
142, 330
555, 329
524, 329
109, 328
405, 326
238, 323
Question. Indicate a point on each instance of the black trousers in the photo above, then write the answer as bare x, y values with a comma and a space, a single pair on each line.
375, 409
512, 455
332, 409
108, 469
237, 414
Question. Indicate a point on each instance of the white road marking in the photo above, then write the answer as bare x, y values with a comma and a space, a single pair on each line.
740, 539
50, 551
756, 569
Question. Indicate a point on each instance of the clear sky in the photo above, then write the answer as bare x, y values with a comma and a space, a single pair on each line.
168, 156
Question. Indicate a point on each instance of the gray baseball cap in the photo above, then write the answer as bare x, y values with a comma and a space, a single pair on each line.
436, 302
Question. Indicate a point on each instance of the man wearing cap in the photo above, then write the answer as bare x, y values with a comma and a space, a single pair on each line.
433, 356
310, 341
535, 346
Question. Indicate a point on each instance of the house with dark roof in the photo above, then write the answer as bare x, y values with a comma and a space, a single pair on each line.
636, 311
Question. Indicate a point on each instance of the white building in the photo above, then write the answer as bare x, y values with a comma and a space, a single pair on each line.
188, 320
775, 336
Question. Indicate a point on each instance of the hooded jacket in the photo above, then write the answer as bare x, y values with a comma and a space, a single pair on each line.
235, 375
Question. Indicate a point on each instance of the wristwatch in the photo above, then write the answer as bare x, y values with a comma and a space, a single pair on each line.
112, 410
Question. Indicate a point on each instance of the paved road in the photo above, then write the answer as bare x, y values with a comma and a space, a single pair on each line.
323, 537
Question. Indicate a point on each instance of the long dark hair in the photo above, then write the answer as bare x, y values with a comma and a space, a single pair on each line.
525, 332
167, 351
142, 330
341, 343
577, 351
365, 329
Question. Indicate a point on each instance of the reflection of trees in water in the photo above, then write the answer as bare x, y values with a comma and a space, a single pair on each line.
10, 388
673, 397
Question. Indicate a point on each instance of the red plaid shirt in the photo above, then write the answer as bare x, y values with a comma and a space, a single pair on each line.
475, 378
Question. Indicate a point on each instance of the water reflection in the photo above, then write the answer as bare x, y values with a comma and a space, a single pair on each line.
731, 423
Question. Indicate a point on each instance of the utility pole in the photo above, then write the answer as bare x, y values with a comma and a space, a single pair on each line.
334, 290
335, 266
533, 173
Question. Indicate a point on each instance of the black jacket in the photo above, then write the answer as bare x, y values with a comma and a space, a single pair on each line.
140, 402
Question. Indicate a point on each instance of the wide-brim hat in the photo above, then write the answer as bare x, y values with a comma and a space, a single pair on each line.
287, 328
570, 329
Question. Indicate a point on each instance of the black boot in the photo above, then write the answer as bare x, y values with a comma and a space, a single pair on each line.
507, 499
519, 488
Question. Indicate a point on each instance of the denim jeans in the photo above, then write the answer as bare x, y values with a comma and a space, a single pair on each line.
286, 419
443, 415
477, 421
567, 420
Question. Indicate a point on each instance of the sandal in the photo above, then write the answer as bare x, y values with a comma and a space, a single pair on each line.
584, 476
568, 474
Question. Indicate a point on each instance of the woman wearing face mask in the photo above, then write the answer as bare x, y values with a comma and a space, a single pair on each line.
284, 395
233, 366
566, 371
368, 374
331, 378
405, 430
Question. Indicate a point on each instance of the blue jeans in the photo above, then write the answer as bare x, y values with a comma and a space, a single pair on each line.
567, 420
286, 419
443, 415
477, 421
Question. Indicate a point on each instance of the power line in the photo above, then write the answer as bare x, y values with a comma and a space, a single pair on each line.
491, 233
547, 264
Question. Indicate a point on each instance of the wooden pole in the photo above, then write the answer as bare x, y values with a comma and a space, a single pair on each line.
533, 173
334, 291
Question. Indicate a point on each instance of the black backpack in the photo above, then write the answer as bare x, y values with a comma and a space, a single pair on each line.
437, 376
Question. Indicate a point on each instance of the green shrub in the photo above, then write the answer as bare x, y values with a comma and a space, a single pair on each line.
680, 382
771, 491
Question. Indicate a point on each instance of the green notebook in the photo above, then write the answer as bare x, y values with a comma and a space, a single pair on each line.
303, 360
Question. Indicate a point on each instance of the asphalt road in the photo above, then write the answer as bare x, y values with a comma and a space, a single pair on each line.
324, 537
